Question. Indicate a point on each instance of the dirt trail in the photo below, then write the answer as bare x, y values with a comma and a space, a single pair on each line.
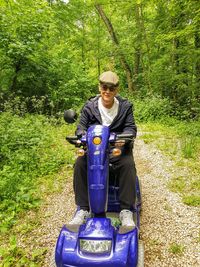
165, 220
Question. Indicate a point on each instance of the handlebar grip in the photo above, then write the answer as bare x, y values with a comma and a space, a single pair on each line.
125, 136
72, 139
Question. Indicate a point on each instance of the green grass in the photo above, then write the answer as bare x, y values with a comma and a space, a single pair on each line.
176, 249
149, 137
191, 200
168, 208
154, 242
13, 255
189, 147
181, 142
178, 184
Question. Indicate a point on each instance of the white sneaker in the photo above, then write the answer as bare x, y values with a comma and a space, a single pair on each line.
126, 218
80, 217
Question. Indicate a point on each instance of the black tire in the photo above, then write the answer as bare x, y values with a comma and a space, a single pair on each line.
138, 193
140, 254
140, 198
52, 262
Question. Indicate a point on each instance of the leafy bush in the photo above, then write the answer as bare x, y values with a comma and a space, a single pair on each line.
150, 109
29, 149
47, 104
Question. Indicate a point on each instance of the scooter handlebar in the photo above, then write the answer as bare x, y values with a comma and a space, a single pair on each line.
126, 137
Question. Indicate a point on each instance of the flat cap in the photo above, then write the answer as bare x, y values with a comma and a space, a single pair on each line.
109, 77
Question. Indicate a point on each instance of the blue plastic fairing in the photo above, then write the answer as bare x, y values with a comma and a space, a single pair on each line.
117, 250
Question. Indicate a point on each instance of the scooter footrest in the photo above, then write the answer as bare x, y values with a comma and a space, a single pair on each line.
126, 229
73, 227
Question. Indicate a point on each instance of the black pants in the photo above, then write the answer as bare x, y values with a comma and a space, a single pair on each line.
124, 169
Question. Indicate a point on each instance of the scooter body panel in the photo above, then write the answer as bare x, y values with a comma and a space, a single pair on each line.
98, 168
121, 251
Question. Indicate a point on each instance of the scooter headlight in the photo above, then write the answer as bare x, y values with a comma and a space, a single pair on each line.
95, 246
80, 152
116, 152
97, 140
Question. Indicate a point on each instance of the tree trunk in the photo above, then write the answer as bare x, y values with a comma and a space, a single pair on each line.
197, 66
83, 43
138, 42
146, 41
137, 62
113, 36
14, 80
98, 48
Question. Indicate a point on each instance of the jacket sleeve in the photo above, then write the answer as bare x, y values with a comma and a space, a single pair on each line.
129, 124
83, 123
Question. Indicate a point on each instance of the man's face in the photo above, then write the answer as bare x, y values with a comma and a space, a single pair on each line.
107, 93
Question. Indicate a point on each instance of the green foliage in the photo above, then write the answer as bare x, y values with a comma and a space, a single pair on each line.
192, 200
178, 184
56, 50
189, 148
32, 150
29, 149
154, 108
115, 221
13, 255
150, 109
35, 62
176, 248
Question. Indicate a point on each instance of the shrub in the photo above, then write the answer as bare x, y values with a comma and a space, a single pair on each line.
150, 109
155, 107
29, 149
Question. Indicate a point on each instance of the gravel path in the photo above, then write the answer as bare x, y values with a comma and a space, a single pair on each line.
165, 220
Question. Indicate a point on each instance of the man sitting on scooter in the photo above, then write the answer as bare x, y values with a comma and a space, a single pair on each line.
111, 110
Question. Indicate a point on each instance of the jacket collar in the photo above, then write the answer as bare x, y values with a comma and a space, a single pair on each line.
96, 110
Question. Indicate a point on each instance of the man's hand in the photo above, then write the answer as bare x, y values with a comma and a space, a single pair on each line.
80, 133
120, 143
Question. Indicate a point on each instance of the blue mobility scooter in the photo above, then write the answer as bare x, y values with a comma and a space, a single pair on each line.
100, 241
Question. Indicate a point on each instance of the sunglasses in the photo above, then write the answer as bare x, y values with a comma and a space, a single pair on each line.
111, 88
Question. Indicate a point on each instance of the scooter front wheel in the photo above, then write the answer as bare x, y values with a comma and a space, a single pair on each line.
140, 254
52, 259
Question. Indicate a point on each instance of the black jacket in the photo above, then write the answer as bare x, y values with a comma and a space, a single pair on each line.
123, 123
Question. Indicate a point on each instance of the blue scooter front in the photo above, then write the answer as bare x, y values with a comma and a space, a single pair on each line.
97, 242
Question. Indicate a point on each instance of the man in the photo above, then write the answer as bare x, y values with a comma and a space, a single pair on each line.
111, 110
